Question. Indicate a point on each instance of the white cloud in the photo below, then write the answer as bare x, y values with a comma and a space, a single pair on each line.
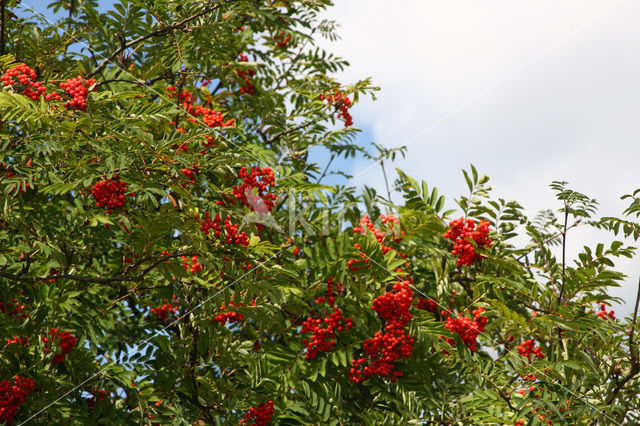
529, 92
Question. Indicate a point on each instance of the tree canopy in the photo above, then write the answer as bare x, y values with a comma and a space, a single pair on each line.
171, 251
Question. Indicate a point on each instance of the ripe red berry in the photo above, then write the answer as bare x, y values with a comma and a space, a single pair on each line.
12, 395
460, 232
22, 78
110, 193
78, 89
261, 415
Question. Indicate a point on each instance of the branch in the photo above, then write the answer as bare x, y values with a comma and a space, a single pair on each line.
564, 249
551, 238
326, 169
138, 82
291, 130
155, 33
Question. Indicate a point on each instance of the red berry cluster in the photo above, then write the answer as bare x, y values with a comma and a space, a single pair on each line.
158, 404
231, 317
262, 181
604, 314
192, 267
78, 89
23, 77
330, 298
190, 173
14, 309
212, 118
282, 39
232, 236
17, 339
110, 193
365, 223
248, 87
20, 187
353, 263
323, 330
392, 220
385, 348
208, 116
12, 396
427, 305
467, 328
341, 102
460, 234
66, 341
261, 415
163, 312
186, 97
97, 395
526, 349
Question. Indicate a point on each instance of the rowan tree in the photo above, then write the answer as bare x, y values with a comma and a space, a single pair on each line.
170, 251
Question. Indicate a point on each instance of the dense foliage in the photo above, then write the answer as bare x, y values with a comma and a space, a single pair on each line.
169, 253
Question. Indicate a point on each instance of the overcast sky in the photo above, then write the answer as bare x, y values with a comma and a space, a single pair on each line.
529, 92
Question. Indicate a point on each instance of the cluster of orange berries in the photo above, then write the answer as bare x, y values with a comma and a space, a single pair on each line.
97, 395
460, 232
212, 118
18, 188
427, 305
208, 116
12, 396
261, 415
323, 330
468, 329
341, 102
255, 187
526, 349
163, 312
14, 309
231, 317
110, 193
232, 236
248, 87
78, 89
366, 224
386, 348
282, 39
22, 76
191, 265
191, 173
604, 314
17, 339
66, 341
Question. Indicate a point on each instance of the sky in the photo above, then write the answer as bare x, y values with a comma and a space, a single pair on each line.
528, 92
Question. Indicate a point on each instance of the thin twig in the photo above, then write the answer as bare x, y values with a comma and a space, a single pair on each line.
155, 33
290, 130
